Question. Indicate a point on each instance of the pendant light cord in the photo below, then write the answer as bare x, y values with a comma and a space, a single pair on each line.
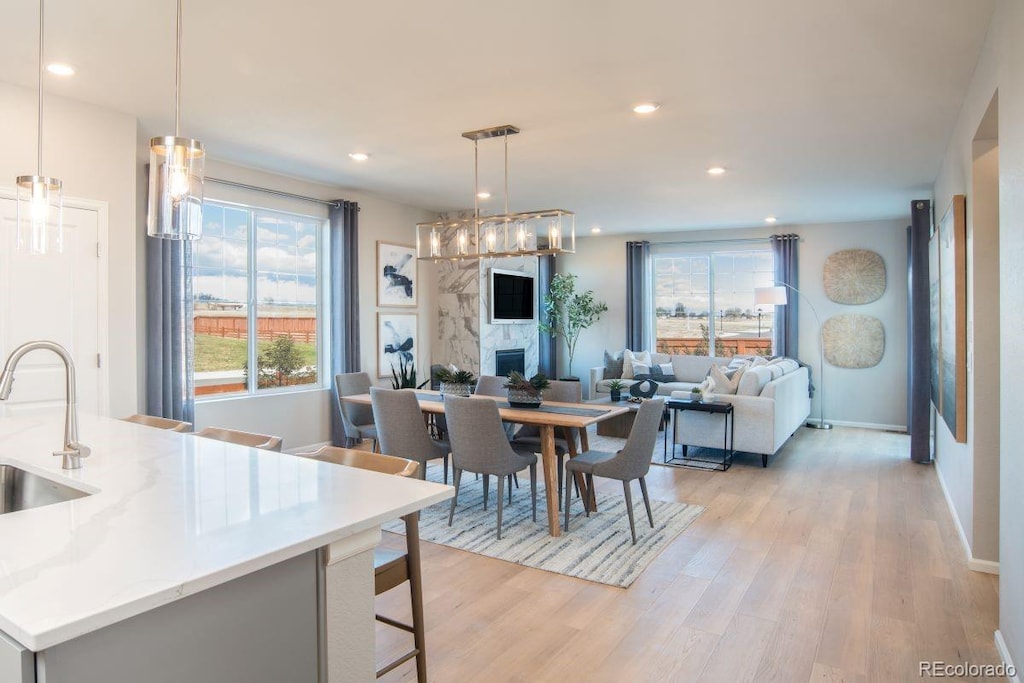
39, 130
177, 71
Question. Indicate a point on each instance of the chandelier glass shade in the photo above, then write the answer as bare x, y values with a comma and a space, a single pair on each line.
550, 231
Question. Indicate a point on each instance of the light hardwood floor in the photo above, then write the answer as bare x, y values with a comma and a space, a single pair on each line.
838, 562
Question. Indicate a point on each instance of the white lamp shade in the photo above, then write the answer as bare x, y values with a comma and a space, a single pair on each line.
770, 296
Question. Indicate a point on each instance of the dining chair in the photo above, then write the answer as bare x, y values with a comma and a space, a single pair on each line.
479, 445
401, 431
632, 462
392, 568
490, 385
438, 425
565, 442
159, 422
356, 419
251, 439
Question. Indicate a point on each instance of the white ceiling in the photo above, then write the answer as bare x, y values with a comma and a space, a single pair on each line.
822, 110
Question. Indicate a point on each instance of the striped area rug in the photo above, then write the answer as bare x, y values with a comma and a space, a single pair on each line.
598, 548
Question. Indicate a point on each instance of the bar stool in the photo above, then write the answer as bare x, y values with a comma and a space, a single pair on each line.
392, 568
251, 439
159, 422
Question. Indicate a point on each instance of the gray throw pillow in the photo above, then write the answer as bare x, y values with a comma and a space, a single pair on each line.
612, 366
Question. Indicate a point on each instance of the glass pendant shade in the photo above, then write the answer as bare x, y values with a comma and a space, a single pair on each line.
175, 188
40, 214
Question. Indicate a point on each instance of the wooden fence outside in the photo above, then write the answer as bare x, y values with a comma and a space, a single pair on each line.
236, 327
729, 346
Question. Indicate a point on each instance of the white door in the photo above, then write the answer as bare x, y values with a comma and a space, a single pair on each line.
54, 297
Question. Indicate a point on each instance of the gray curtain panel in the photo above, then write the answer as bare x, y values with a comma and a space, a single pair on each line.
170, 343
344, 265
547, 344
786, 329
919, 405
639, 301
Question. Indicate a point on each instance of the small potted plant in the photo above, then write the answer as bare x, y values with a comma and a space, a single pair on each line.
525, 393
616, 386
455, 382
696, 394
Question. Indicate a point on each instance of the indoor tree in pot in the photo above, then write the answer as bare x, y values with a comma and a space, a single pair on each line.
568, 312
455, 382
525, 393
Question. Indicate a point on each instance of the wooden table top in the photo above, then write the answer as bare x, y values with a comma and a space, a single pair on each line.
520, 415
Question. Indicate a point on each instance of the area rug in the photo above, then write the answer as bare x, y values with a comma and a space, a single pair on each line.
598, 548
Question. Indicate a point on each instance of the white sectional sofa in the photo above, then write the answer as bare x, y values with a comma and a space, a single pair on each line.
769, 405
766, 411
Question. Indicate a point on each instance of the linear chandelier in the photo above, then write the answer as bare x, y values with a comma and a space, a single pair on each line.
550, 231
40, 205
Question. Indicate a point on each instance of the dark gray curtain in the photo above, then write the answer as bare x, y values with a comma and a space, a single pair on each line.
170, 344
785, 334
919, 406
547, 347
344, 264
639, 309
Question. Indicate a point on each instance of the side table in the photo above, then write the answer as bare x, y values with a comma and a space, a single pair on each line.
676, 405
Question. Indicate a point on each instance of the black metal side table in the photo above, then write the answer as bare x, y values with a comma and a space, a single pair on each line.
728, 449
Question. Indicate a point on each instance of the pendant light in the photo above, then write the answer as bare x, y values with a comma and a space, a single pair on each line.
175, 173
39, 197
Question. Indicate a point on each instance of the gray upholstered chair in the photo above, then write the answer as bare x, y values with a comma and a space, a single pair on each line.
632, 462
251, 439
479, 445
490, 385
401, 430
356, 420
529, 435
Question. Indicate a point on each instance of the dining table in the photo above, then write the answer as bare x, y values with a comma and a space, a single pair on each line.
547, 417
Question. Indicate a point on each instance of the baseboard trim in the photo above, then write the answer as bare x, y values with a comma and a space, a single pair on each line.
973, 563
1004, 654
307, 449
862, 425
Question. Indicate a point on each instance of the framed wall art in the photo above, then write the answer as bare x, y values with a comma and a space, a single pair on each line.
396, 341
396, 274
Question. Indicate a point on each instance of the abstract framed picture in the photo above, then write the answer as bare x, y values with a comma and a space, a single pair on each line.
396, 274
949, 244
396, 341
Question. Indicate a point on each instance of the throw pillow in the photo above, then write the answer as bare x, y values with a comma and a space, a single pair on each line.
612, 366
757, 361
725, 384
641, 369
667, 371
629, 357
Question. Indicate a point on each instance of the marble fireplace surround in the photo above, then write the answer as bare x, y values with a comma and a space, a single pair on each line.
465, 337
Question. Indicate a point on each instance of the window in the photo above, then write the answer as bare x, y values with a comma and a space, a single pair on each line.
704, 302
255, 280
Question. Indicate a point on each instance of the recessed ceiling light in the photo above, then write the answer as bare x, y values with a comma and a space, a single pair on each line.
770, 219
646, 108
61, 69
359, 156
595, 230
483, 195
716, 170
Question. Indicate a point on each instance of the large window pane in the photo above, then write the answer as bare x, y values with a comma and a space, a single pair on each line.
220, 286
682, 304
286, 300
740, 328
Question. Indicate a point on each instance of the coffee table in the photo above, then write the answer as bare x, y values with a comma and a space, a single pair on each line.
620, 425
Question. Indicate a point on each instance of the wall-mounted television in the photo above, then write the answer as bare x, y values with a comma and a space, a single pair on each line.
513, 297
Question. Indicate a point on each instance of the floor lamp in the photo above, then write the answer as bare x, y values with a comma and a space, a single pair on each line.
778, 296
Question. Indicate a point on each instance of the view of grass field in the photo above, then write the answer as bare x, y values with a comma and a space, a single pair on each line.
689, 328
217, 354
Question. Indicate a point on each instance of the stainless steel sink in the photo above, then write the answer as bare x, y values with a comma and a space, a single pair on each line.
21, 490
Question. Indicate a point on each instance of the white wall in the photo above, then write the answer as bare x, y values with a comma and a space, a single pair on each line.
93, 151
1000, 67
851, 396
303, 418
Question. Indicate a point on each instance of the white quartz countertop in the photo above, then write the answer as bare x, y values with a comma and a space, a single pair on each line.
169, 515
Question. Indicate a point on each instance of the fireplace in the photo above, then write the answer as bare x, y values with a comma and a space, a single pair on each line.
508, 360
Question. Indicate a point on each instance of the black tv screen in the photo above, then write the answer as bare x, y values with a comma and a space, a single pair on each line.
512, 297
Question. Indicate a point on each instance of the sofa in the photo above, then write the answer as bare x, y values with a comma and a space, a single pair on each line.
771, 402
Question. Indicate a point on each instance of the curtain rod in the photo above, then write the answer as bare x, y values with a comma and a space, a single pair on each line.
279, 193
748, 240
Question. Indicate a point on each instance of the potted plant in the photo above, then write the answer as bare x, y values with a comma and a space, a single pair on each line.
525, 393
696, 394
616, 386
567, 313
455, 382
405, 376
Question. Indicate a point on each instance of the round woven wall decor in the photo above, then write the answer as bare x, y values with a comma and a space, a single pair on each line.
852, 340
854, 276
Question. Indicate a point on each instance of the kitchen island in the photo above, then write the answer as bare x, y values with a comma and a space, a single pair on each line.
190, 559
